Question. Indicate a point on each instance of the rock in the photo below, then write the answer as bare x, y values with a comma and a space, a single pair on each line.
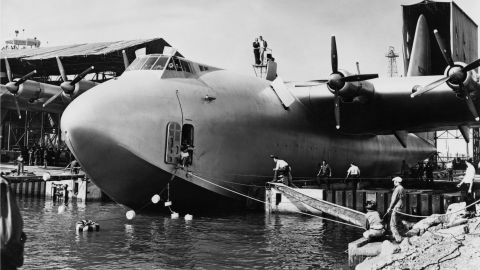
453, 208
389, 248
405, 245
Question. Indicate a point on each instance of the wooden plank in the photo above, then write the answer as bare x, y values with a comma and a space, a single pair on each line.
341, 212
360, 201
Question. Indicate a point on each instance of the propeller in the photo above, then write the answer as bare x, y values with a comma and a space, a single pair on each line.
337, 80
457, 77
13, 86
67, 86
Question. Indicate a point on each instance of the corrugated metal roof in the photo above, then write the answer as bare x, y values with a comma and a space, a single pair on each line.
100, 48
105, 56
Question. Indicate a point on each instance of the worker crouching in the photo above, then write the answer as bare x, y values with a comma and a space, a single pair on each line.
375, 228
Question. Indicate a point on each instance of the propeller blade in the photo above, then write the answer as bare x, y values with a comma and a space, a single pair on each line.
446, 54
337, 110
50, 100
81, 75
471, 105
334, 56
9, 71
359, 77
24, 78
125, 59
17, 106
471, 66
424, 89
307, 85
61, 69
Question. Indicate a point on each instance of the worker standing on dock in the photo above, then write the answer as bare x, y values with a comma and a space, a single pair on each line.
19, 164
449, 167
375, 227
353, 172
281, 171
324, 172
429, 171
397, 204
466, 189
263, 48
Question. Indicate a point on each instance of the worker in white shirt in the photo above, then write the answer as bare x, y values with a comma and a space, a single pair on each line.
281, 170
468, 180
353, 172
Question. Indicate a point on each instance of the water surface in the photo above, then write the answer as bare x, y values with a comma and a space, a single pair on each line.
247, 240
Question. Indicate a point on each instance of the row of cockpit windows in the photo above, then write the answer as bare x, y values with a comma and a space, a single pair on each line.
151, 62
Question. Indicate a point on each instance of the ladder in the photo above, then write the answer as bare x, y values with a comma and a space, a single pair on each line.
331, 209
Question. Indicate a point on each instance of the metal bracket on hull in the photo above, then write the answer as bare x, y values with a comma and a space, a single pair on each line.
465, 134
401, 136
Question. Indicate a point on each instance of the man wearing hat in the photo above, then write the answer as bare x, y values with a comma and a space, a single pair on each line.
397, 204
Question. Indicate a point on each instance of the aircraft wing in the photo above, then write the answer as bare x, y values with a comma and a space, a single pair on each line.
105, 59
385, 106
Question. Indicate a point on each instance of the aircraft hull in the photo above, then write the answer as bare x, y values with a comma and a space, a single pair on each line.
121, 145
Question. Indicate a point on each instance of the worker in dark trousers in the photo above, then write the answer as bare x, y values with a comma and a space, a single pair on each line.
467, 194
19, 164
397, 204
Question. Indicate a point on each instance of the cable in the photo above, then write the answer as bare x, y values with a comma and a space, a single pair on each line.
461, 209
255, 199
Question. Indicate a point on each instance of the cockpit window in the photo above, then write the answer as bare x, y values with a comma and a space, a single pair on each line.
137, 63
149, 63
153, 62
160, 64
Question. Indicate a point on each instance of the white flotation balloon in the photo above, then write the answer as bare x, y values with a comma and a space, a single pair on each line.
155, 198
130, 214
188, 217
174, 215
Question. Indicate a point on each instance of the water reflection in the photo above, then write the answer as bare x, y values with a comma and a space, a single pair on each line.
245, 241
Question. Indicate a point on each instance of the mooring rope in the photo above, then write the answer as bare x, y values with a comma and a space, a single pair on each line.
419, 216
266, 203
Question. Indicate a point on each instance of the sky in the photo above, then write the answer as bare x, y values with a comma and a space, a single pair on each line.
221, 32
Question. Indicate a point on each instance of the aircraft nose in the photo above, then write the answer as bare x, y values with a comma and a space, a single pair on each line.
117, 132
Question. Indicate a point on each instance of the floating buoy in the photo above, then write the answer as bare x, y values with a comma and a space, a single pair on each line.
130, 214
168, 203
155, 198
46, 176
188, 217
87, 226
174, 215
61, 209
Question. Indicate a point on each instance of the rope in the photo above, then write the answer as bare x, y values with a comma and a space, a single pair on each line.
409, 215
266, 203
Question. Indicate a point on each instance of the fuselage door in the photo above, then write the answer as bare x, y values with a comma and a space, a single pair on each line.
172, 149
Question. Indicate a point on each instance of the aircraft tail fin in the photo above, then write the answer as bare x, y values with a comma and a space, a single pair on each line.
420, 61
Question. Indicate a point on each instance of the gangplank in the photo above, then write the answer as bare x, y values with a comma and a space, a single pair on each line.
331, 209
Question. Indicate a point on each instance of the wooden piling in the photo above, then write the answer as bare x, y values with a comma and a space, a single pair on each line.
340, 197
425, 204
360, 201
382, 202
413, 207
350, 199
437, 204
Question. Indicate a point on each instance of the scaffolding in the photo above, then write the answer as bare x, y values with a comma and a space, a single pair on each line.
392, 62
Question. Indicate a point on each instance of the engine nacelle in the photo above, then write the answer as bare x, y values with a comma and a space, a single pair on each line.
361, 91
81, 87
467, 79
29, 90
